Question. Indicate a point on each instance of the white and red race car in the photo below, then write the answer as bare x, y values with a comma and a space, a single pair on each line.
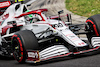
39, 38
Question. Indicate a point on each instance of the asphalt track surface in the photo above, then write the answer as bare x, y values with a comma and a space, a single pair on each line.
85, 60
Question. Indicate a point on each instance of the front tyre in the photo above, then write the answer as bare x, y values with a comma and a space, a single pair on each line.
93, 26
21, 42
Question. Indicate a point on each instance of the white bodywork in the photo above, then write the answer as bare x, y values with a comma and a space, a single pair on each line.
12, 12
95, 41
64, 31
53, 51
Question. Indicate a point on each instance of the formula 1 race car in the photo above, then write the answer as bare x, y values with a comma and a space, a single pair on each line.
39, 38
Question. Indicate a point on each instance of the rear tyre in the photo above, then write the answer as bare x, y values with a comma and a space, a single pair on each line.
21, 42
93, 26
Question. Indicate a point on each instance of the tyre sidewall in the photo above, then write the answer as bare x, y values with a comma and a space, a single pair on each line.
23, 51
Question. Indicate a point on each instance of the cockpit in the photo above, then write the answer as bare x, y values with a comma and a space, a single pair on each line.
33, 18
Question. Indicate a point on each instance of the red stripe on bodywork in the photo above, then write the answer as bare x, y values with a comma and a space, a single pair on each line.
34, 12
87, 50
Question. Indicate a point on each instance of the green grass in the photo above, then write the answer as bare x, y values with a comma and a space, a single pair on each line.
83, 7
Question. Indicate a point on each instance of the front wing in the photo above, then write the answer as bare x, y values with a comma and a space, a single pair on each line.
52, 52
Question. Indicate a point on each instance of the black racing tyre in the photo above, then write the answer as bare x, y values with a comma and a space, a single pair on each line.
93, 26
21, 42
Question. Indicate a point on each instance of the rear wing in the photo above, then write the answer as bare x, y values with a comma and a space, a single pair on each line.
5, 4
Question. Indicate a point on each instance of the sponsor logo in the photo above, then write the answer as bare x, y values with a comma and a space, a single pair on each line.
4, 4
33, 54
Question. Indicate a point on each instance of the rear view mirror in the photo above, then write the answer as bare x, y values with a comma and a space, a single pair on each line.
28, 5
60, 12
11, 22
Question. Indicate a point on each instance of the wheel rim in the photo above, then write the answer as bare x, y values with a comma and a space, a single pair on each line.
89, 28
16, 50
92, 26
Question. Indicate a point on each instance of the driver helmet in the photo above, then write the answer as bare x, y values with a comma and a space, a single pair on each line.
29, 17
